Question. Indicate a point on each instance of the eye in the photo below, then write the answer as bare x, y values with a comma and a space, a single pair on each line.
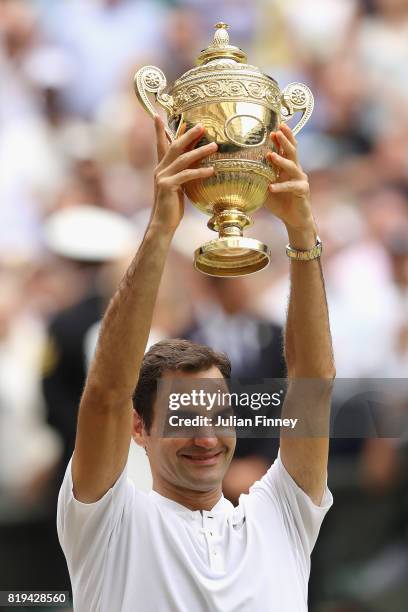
245, 130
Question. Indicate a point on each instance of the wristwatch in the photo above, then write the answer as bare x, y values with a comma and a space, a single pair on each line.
308, 255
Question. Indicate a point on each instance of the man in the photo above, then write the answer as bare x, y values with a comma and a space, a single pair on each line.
184, 547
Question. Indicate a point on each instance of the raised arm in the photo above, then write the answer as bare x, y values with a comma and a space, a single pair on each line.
308, 346
105, 413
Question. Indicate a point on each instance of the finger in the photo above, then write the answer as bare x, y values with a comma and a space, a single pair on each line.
181, 144
287, 147
186, 160
296, 187
190, 175
286, 164
161, 140
188, 138
182, 130
272, 136
194, 144
288, 133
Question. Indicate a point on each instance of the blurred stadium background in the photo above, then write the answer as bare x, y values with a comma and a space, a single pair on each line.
76, 166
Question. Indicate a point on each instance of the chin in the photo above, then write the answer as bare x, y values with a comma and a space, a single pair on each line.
204, 482
203, 487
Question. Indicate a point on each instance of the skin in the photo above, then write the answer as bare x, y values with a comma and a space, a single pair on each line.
105, 422
188, 471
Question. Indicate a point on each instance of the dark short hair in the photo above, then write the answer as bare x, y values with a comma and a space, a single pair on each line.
174, 356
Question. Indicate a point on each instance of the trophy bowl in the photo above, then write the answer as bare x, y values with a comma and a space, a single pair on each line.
239, 107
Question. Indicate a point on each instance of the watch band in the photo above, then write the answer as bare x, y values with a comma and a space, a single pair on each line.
308, 255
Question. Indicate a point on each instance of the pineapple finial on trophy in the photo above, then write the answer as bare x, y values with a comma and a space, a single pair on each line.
220, 48
221, 36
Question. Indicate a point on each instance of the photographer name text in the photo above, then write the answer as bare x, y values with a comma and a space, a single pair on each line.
230, 421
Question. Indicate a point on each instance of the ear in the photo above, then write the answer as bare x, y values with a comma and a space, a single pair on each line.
138, 431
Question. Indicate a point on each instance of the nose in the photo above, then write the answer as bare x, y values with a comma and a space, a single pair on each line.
207, 443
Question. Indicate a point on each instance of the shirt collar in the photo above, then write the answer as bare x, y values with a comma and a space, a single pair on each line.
222, 507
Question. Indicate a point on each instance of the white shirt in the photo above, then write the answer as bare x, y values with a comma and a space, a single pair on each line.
131, 551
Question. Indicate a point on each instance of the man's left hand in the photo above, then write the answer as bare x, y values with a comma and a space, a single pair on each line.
289, 197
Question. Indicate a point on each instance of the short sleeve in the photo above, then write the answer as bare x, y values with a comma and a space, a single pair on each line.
301, 517
84, 530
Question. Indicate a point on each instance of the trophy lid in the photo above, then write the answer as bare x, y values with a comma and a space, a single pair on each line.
202, 83
220, 48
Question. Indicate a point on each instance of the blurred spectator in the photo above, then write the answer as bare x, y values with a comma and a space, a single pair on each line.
126, 151
319, 27
91, 238
183, 35
254, 346
224, 322
381, 50
103, 38
29, 450
21, 410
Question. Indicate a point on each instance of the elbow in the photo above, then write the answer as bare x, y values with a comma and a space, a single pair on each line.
327, 373
103, 398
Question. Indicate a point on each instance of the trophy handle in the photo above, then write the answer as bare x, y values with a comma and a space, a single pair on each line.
150, 79
297, 97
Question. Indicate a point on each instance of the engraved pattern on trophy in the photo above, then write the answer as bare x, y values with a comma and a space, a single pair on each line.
151, 79
211, 87
297, 97
239, 107
223, 65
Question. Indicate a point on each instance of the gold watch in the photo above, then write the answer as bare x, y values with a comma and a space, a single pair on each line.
308, 255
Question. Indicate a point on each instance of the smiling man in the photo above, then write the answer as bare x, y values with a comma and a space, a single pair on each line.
184, 547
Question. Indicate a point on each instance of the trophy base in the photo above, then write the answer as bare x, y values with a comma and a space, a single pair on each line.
231, 256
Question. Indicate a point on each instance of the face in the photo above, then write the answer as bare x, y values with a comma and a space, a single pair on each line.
196, 464
231, 294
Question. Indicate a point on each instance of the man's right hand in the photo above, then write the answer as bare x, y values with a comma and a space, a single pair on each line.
176, 166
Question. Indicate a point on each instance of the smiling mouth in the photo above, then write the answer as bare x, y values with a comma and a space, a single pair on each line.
203, 459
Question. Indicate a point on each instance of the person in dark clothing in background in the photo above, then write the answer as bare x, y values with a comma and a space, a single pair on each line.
72, 332
255, 349
65, 375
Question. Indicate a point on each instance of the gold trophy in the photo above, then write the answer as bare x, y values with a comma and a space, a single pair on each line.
238, 106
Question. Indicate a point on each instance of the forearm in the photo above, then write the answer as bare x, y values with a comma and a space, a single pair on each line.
308, 353
308, 345
105, 415
126, 324
308, 348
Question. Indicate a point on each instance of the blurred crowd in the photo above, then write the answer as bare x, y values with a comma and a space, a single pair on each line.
77, 154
